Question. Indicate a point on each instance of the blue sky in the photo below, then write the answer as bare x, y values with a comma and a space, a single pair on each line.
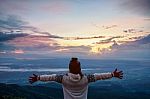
81, 28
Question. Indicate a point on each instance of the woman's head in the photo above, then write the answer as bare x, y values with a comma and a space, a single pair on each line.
74, 66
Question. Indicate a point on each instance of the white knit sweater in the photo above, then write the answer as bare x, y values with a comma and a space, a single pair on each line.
75, 87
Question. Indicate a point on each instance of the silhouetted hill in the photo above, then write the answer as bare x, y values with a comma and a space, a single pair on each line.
54, 91
29, 92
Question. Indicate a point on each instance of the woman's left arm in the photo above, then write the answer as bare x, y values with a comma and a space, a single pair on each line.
103, 76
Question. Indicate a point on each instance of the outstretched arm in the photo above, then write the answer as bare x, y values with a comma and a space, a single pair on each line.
103, 76
44, 78
115, 73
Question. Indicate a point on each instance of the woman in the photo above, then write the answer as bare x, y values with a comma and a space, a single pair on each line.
74, 83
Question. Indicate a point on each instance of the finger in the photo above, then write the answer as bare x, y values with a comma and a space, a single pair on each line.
115, 70
31, 77
35, 75
120, 77
120, 71
120, 74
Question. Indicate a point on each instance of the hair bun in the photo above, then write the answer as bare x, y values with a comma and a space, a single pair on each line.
74, 59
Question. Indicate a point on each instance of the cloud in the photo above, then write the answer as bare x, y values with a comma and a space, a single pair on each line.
2, 52
138, 43
5, 46
10, 36
132, 30
37, 43
104, 27
109, 27
15, 23
80, 38
143, 40
61, 50
34, 41
103, 42
17, 51
147, 19
37, 31
137, 6
123, 41
136, 38
119, 43
11, 22
109, 40
138, 49
76, 50
128, 40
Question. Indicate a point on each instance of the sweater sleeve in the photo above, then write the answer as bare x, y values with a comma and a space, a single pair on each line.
53, 77
99, 76
102, 76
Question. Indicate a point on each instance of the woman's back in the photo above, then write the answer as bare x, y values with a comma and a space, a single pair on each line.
75, 86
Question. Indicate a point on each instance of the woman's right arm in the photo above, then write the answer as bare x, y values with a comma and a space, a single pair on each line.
44, 78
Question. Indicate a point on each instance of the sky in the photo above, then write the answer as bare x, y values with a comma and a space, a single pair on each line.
75, 28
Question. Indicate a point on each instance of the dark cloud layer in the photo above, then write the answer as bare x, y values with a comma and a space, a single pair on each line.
144, 40
137, 6
6, 37
141, 43
11, 23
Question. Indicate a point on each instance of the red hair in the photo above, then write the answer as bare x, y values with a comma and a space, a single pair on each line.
74, 66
